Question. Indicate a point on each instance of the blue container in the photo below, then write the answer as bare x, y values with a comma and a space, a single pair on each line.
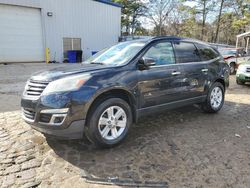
94, 52
72, 56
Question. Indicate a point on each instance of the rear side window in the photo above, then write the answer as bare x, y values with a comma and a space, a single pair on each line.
206, 52
186, 52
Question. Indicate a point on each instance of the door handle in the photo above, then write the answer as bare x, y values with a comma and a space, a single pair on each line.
176, 73
204, 70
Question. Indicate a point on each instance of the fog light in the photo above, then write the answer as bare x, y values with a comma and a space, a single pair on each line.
53, 117
58, 120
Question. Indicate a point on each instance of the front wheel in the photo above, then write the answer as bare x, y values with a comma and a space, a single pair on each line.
215, 98
109, 122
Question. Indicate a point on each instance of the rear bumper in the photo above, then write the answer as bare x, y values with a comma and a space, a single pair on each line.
74, 131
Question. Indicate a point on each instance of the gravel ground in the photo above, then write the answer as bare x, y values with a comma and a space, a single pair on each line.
184, 147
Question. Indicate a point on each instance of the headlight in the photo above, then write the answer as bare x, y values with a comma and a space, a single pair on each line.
71, 83
241, 69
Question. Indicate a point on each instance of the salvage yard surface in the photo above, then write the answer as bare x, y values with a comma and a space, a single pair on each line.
184, 147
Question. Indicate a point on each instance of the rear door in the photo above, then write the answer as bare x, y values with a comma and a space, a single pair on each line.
213, 59
193, 69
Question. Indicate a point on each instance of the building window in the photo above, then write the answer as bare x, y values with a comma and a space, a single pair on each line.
71, 44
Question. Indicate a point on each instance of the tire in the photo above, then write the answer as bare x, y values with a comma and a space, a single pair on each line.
215, 98
107, 131
240, 82
232, 68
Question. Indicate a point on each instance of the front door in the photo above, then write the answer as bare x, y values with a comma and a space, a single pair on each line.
160, 83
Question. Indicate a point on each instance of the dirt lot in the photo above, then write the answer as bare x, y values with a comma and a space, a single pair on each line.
181, 148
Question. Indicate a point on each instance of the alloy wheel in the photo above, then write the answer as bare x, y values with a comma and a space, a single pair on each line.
216, 97
112, 123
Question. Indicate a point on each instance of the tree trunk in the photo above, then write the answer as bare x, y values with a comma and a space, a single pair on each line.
203, 19
133, 26
160, 26
218, 24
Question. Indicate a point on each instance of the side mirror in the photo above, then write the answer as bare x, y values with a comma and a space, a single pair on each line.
146, 62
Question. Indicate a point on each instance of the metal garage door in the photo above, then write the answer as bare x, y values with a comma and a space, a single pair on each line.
20, 34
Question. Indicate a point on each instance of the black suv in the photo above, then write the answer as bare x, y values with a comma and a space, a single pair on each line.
103, 96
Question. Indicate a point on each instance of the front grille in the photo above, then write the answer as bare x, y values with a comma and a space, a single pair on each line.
248, 70
29, 114
35, 88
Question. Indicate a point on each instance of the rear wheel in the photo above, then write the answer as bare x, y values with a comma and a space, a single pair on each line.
215, 98
232, 68
109, 122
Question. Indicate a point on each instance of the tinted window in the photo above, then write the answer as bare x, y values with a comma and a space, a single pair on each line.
206, 52
186, 52
162, 53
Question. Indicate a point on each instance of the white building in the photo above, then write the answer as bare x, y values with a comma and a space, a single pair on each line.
28, 27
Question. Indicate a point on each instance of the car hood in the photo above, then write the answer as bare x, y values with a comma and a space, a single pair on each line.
66, 70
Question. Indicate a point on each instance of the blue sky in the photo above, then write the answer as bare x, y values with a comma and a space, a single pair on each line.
191, 4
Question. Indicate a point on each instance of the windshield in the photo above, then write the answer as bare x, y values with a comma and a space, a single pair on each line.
228, 52
118, 54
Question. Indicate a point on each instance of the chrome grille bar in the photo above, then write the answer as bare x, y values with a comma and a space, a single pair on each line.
34, 89
29, 115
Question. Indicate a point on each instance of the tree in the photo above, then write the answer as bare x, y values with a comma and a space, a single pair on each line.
158, 11
139, 30
131, 11
228, 33
203, 8
232, 19
242, 18
208, 20
218, 22
182, 22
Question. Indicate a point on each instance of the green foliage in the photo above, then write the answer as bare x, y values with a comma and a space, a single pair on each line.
242, 19
208, 20
131, 11
157, 11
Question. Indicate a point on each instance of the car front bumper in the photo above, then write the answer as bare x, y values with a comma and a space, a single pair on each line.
74, 131
64, 120
243, 77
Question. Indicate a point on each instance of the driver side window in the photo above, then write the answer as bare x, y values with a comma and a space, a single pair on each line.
162, 53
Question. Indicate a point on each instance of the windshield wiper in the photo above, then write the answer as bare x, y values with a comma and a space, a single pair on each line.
99, 63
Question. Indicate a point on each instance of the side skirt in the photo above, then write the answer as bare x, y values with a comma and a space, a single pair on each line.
167, 106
